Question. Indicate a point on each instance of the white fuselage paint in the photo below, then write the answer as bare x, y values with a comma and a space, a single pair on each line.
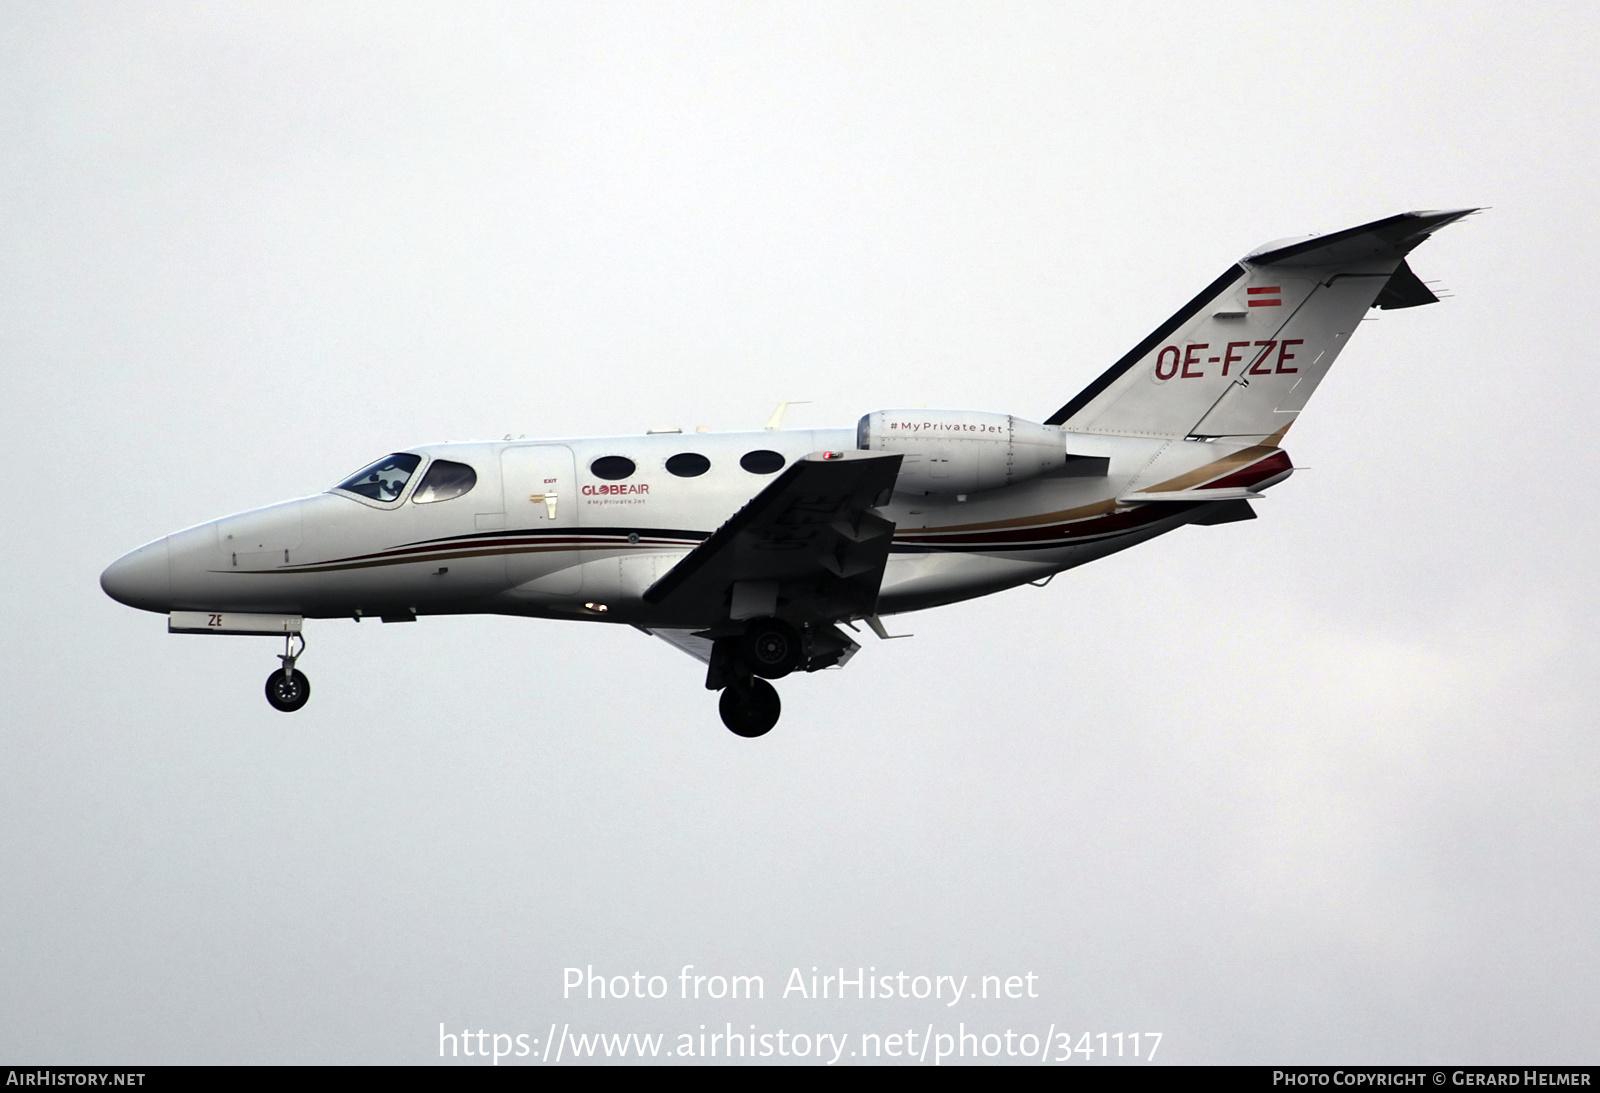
540, 535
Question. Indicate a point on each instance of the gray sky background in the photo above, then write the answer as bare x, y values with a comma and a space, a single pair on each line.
1316, 788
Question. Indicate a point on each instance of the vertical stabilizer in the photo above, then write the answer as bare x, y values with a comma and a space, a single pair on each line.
1241, 359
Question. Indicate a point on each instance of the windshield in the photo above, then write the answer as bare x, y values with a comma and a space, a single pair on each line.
383, 480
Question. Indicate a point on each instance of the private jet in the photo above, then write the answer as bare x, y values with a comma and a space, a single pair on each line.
762, 553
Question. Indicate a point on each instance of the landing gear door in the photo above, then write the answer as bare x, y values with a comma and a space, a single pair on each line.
541, 510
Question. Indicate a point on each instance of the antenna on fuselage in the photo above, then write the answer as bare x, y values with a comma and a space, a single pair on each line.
776, 420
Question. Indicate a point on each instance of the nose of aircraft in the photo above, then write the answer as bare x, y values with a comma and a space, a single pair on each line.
141, 579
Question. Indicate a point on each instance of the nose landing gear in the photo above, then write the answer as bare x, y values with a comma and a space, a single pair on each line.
288, 688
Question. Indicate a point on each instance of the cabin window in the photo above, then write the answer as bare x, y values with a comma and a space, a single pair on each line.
762, 461
613, 468
688, 464
385, 479
443, 481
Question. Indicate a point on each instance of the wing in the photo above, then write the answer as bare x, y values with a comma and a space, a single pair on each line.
806, 548
686, 640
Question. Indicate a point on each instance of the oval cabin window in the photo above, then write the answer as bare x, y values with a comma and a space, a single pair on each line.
688, 464
762, 461
613, 468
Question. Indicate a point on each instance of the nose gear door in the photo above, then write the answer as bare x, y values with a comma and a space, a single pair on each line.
541, 517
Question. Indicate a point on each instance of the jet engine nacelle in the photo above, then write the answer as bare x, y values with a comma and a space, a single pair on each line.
961, 451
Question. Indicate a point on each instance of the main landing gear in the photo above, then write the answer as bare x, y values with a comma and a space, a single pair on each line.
741, 666
772, 648
768, 648
750, 710
288, 688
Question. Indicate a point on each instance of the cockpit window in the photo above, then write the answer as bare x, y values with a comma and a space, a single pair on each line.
443, 481
384, 480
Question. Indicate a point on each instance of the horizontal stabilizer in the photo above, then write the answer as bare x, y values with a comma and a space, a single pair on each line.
1392, 237
1229, 512
1189, 497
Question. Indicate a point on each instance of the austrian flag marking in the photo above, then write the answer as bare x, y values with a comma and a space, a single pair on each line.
1265, 297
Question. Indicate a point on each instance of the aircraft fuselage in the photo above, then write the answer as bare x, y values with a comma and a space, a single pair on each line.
539, 534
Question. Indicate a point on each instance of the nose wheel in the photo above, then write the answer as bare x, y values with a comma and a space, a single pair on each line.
288, 688
288, 691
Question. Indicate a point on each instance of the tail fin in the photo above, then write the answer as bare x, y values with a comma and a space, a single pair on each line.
1241, 359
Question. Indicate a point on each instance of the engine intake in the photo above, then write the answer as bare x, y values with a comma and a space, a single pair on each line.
961, 451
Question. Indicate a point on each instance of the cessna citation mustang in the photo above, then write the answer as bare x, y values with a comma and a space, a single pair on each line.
756, 552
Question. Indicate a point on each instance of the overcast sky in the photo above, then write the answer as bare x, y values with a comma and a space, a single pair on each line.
1317, 788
